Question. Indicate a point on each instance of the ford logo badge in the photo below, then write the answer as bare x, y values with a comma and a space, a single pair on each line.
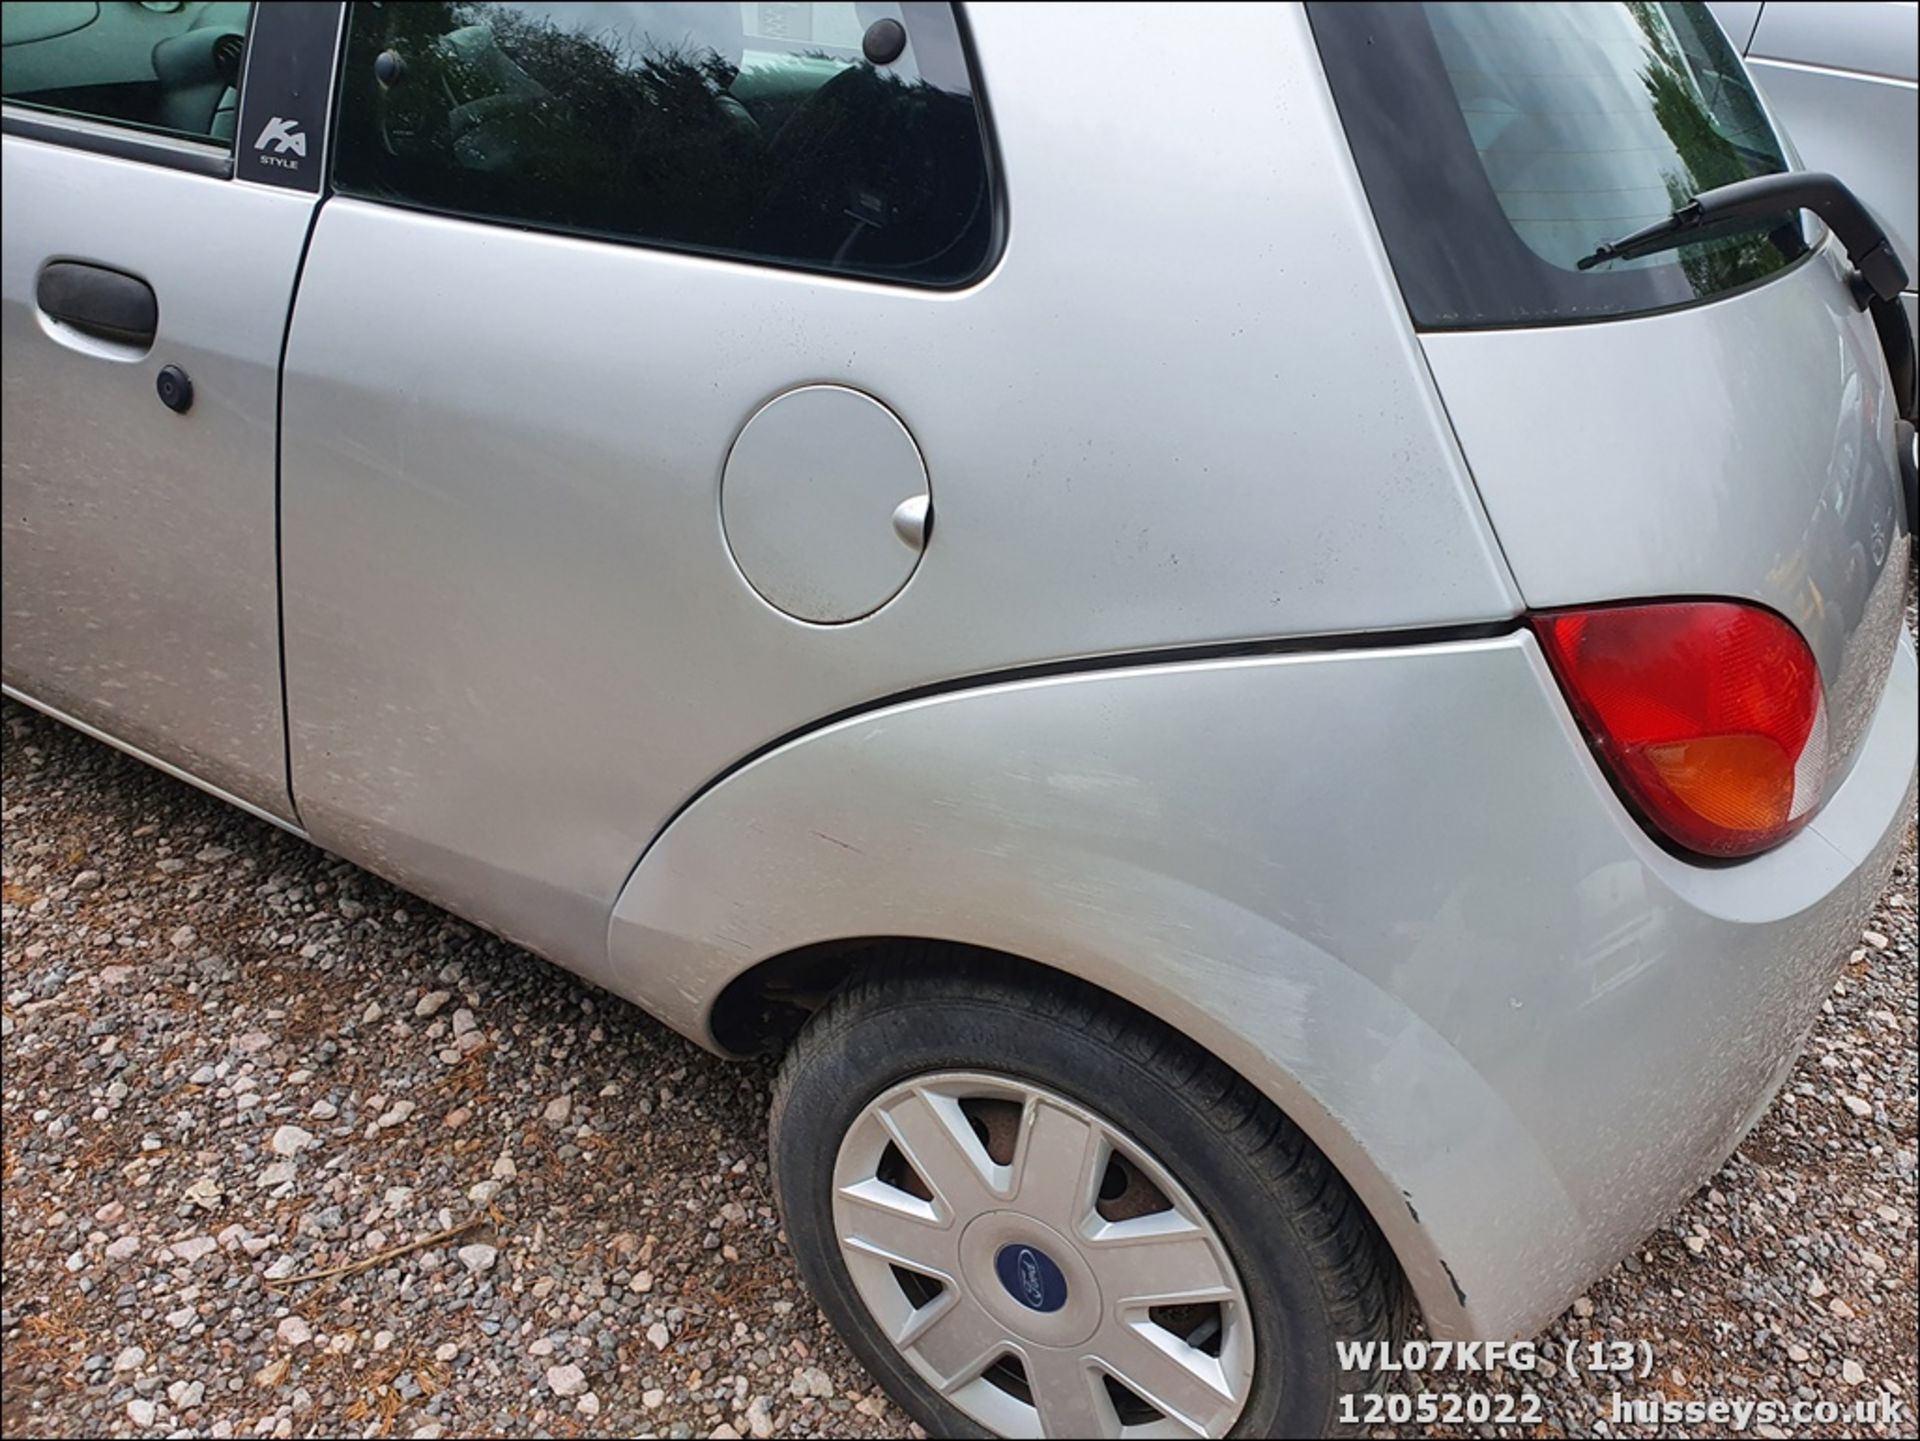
1031, 1277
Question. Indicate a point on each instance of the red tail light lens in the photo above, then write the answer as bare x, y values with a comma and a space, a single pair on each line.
1709, 714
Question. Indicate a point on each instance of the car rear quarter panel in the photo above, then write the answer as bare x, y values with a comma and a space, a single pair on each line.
1391, 887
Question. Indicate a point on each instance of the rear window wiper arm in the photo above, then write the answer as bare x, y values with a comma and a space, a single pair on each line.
1878, 273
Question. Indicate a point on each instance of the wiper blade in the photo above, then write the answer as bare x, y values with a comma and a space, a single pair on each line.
1878, 273
1677, 229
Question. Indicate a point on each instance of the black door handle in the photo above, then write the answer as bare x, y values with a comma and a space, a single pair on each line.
99, 302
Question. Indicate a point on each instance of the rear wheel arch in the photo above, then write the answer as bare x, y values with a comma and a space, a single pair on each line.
763, 1009
1026, 821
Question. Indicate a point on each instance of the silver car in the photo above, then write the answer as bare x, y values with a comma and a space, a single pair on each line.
1266, 641
1841, 77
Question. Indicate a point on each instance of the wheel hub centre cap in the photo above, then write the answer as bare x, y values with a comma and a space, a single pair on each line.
1031, 1278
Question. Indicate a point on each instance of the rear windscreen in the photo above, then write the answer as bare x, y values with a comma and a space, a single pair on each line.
1499, 144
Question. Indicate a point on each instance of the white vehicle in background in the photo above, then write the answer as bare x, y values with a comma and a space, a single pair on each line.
1840, 77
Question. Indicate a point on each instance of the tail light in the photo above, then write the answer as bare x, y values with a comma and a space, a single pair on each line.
1709, 714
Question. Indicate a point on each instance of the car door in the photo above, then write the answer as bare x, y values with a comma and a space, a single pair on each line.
157, 202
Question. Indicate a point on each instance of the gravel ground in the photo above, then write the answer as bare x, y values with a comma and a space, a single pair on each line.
232, 1061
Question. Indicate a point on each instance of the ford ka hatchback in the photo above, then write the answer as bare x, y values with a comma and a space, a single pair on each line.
1266, 641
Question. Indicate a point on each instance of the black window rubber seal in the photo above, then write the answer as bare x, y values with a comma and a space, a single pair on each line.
103, 138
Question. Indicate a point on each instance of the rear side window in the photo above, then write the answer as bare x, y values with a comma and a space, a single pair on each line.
836, 137
169, 68
1499, 144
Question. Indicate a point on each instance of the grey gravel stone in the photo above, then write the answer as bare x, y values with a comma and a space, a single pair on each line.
396, 1113
290, 1140
193, 1248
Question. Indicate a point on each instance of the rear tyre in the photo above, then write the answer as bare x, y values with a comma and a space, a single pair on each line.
1033, 1210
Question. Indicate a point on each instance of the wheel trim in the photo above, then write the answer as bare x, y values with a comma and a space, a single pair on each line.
1102, 1279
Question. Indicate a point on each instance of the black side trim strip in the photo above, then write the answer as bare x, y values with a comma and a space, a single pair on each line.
100, 139
1083, 665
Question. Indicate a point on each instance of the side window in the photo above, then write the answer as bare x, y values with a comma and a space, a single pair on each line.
167, 67
839, 137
